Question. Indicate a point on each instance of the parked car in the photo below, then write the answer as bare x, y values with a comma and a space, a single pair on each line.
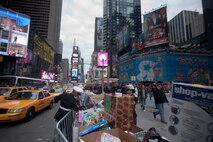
7, 91
24, 104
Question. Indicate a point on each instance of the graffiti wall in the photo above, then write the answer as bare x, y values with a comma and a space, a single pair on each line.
169, 67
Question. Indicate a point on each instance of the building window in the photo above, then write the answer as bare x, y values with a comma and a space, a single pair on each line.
5, 34
3, 47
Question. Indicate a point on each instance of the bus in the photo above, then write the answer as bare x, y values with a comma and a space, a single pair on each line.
10, 80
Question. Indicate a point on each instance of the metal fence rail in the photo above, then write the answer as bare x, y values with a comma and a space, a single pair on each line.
63, 130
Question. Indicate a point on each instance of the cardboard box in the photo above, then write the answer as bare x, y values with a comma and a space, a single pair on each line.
96, 98
115, 132
137, 132
120, 109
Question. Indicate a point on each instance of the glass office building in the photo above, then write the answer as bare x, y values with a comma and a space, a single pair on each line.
119, 15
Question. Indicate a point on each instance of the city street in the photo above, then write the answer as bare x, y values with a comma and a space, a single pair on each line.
146, 119
40, 129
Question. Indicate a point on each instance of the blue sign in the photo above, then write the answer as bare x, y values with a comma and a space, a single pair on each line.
168, 67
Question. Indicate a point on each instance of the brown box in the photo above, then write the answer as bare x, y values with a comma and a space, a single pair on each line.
115, 132
121, 110
96, 98
137, 132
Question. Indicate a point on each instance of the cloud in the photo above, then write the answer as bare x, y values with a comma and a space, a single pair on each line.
78, 21
173, 6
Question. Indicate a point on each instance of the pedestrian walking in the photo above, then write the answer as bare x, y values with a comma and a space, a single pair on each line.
68, 101
143, 97
130, 90
160, 100
136, 92
154, 93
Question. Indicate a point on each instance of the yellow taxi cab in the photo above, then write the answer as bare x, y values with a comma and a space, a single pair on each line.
24, 104
7, 91
56, 92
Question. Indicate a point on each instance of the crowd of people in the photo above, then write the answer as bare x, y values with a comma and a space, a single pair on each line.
140, 92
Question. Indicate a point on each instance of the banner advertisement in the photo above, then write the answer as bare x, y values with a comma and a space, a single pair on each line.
191, 115
99, 34
169, 67
155, 27
123, 38
15, 32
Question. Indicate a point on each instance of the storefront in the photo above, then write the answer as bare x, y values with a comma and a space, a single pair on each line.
168, 67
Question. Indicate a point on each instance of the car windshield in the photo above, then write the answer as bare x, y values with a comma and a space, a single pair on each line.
4, 91
24, 96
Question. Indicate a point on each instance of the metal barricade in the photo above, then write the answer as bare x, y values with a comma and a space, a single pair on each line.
64, 128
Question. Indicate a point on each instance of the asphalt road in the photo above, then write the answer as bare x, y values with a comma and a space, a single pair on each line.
40, 129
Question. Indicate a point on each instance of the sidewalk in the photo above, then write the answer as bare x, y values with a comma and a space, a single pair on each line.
146, 120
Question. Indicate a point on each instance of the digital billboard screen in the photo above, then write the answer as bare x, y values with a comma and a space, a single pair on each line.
102, 59
14, 29
155, 27
99, 33
74, 73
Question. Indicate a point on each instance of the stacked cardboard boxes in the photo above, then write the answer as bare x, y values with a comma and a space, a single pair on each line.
121, 110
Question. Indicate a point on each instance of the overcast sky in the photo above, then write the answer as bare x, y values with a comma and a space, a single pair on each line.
78, 21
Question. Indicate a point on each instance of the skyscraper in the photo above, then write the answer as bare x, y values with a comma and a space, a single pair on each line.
45, 17
118, 15
208, 21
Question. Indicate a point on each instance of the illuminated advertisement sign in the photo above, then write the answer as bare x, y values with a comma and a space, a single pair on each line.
75, 48
74, 73
102, 59
30, 58
155, 27
75, 55
99, 34
47, 75
14, 29
75, 59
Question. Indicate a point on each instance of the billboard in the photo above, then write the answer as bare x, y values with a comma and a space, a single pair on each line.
137, 44
14, 29
102, 59
74, 73
155, 27
123, 38
99, 33
169, 67
30, 58
43, 49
